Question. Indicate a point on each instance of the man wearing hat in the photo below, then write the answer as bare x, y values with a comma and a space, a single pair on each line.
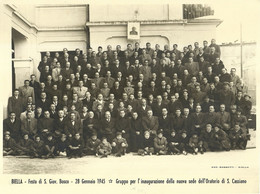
160, 143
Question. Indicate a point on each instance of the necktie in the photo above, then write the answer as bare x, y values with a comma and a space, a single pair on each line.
29, 125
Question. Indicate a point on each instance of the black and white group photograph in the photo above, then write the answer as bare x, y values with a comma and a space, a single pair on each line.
103, 88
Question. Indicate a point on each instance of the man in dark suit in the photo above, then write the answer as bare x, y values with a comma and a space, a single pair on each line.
165, 122
45, 125
43, 102
15, 104
13, 125
143, 108
72, 126
29, 125
150, 123
26, 91
59, 124
158, 106
198, 120
108, 127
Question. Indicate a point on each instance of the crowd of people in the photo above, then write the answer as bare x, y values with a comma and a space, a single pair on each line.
142, 100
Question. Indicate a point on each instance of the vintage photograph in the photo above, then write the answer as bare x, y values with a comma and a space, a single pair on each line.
135, 86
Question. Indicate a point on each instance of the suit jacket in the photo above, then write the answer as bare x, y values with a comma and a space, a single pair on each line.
193, 68
146, 71
110, 81
198, 119
160, 143
142, 112
81, 92
108, 128
14, 128
45, 123
165, 123
151, 124
15, 105
59, 125
26, 92
31, 128
71, 129
123, 124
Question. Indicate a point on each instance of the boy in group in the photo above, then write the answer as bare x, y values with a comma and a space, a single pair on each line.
25, 145
160, 143
184, 141
195, 145
173, 143
9, 145
37, 147
119, 145
62, 146
49, 147
146, 147
76, 147
238, 138
104, 149
92, 144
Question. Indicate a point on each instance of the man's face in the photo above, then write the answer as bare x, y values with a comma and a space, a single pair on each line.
53, 107
173, 98
147, 135
26, 137
91, 114
26, 83
135, 115
107, 115
7, 137
160, 135
73, 117
37, 139
46, 114
222, 107
198, 109
178, 113
122, 113
16, 93
61, 114
29, 108
150, 113
211, 109
164, 112
77, 136
12, 116
208, 128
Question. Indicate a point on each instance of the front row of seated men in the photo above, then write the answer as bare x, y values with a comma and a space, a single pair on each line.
211, 138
